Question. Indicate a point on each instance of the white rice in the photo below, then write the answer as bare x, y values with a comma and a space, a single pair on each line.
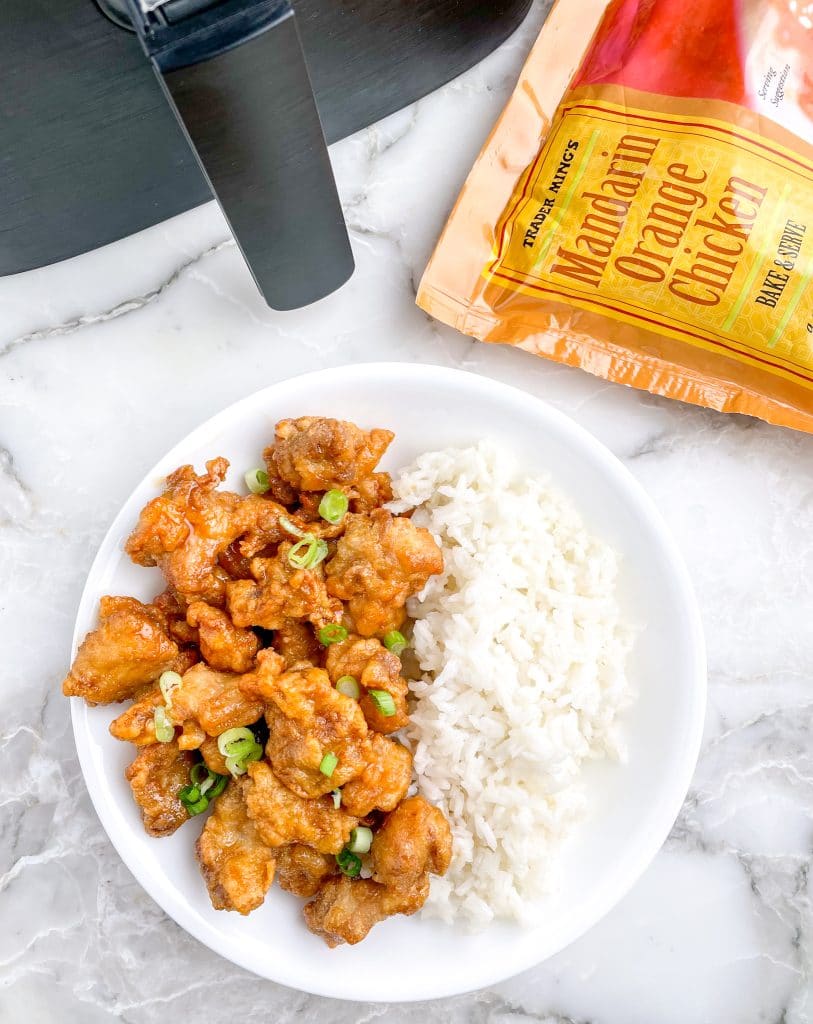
522, 647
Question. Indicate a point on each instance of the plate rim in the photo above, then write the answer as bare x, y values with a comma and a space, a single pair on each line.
646, 853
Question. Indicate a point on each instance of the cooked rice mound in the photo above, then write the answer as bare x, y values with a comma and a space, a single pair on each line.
522, 647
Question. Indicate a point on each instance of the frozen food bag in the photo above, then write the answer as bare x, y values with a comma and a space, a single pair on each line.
643, 208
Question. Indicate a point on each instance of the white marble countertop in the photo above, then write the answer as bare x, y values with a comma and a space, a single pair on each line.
106, 361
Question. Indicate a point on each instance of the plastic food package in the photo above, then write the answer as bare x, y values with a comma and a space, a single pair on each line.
644, 206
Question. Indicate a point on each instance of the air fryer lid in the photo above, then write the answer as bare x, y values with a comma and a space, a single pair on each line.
92, 151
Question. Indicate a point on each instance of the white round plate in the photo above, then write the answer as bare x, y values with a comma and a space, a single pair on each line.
632, 806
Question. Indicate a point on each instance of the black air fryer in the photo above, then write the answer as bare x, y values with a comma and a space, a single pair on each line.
235, 98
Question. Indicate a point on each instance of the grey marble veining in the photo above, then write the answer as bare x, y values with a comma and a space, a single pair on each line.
108, 360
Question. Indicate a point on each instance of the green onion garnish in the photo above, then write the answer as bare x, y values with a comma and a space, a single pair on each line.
286, 524
333, 507
307, 552
361, 839
205, 786
208, 782
192, 800
239, 746
383, 701
349, 864
337, 798
218, 786
327, 765
168, 682
349, 687
257, 481
395, 642
239, 765
164, 729
332, 633
230, 736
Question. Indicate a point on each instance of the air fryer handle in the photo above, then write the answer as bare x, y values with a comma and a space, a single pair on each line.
239, 86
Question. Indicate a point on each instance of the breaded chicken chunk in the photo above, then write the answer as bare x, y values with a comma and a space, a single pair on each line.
234, 563
296, 643
345, 909
384, 782
280, 592
137, 723
129, 648
186, 528
155, 777
369, 662
212, 758
301, 869
237, 866
260, 685
372, 492
214, 700
307, 721
191, 736
282, 817
222, 644
415, 840
264, 524
174, 607
193, 529
318, 454
351, 657
380, 561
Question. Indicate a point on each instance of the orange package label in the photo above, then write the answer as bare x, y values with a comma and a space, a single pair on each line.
643, 208
681, 224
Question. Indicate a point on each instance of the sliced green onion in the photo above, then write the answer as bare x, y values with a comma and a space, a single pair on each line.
208, 782
239, 765
239, 746
257, 481
361, 839
332, 633
333, 507
337, 798
286, 524
192, 800
327, 765
168, 682
164, 729
383, 701
349, 864
204, 786
219, 785
307, 552
349, 687
230, 736
395, 642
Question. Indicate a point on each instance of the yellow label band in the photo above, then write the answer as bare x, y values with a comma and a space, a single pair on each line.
687, 226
